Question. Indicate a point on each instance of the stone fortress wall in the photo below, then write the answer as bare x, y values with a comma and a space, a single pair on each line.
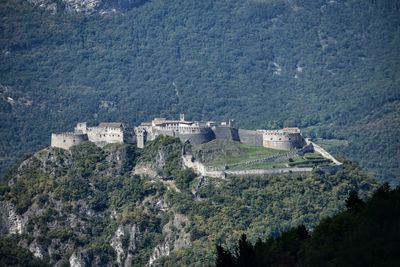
250, 137
104, 133
203, 132
206, 135
284, 139
66, 140
192, 131
225, 132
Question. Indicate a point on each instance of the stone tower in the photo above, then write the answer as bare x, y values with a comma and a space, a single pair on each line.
182, 117
141, 136
81, 127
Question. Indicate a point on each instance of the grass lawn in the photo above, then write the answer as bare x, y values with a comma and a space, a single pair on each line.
247, 152
219, 154
266, 165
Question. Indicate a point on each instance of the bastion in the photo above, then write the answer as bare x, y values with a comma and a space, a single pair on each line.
66, 140
104, 133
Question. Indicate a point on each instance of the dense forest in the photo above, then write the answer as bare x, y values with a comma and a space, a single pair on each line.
329, 67
364, 235
119, 204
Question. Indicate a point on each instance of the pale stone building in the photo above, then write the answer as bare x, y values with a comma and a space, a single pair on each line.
104, 133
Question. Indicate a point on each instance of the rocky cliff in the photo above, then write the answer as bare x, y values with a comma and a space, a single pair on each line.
87, 6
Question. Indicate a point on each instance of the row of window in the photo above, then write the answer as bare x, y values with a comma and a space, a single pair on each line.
280, 139
113, 135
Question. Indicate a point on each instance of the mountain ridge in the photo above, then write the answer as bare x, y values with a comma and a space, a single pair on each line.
328, 67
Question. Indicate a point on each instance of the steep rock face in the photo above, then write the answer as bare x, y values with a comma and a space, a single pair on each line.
76, 260
85, 206
10, 221
124, 242
88, 6
56, 198
176, 237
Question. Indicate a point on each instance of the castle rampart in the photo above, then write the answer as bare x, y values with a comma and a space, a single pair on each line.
225, 133
67, 140
193, 131
202, 132
104, 133
284, 139
204, 136
250, 137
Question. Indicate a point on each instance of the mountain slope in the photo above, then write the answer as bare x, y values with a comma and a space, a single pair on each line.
93, 206
331, 67
364, 235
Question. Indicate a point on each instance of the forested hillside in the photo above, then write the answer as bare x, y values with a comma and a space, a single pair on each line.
121, 205
331, 67
364, 235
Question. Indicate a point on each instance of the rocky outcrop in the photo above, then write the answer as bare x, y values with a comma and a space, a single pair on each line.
87, 6
37, 249
145, 169
10, 221
76, 260
176, 237
124, 243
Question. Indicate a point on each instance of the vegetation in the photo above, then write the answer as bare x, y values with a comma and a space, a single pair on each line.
330, 67
13, 255
331, 145
76, 200
364, 235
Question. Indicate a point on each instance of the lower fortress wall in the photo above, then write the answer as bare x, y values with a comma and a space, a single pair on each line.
280, 145
204, 136
202, 170
66, 140
226, 133
284, 142
267, 171
250, 137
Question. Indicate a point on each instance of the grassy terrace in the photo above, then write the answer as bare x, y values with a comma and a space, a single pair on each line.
222, 152
237, 156
247, 153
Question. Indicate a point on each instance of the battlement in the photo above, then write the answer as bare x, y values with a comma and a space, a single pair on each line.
283, 139
67, 140
66, 134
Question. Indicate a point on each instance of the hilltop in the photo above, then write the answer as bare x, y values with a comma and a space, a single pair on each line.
92, 205
329, 67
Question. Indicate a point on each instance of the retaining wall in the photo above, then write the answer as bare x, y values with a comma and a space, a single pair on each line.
206, 135
250, 137
269, 171
226, 133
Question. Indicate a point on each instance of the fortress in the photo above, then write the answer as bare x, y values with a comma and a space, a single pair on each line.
104, 133
195, 132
